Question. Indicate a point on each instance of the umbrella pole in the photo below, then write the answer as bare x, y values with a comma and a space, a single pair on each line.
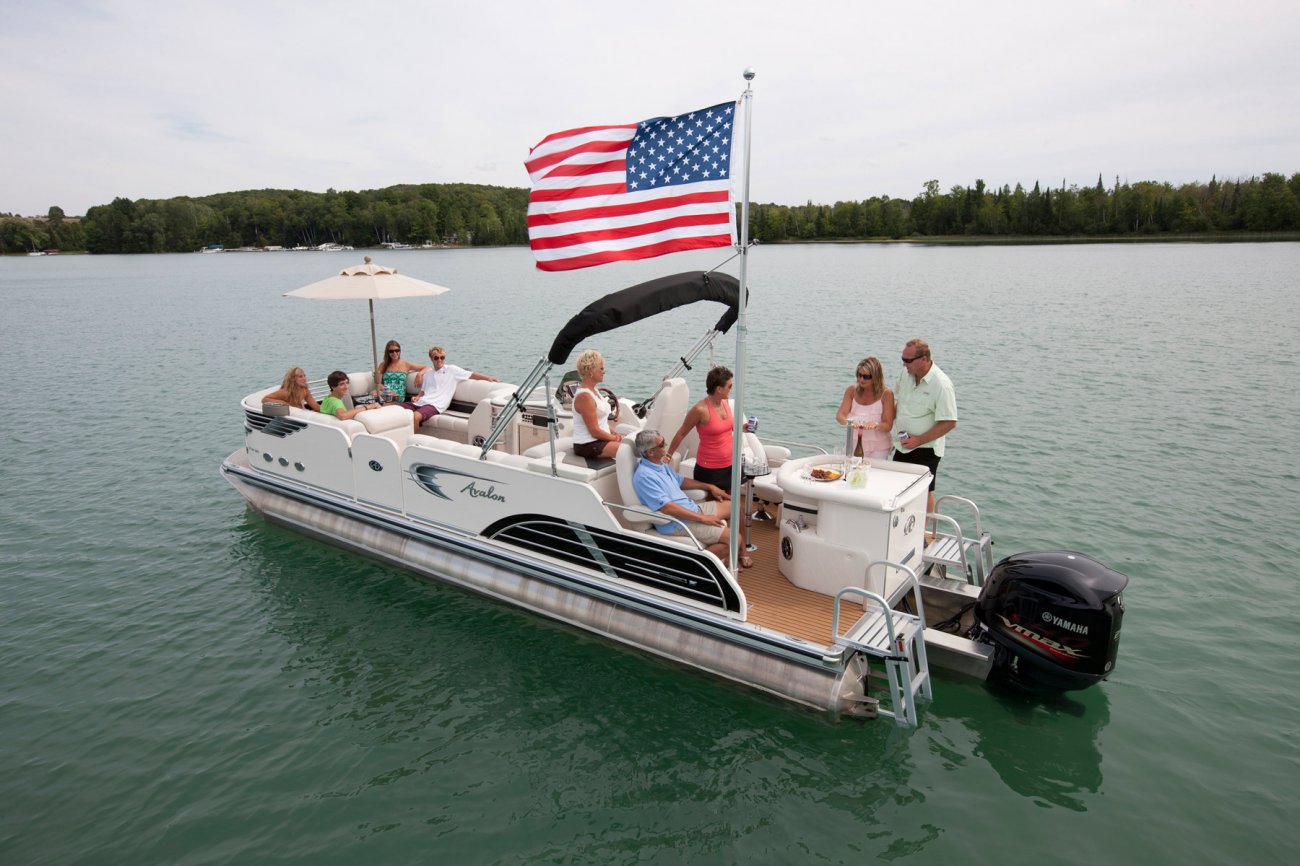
374, 348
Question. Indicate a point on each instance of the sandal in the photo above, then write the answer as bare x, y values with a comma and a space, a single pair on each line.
746, 562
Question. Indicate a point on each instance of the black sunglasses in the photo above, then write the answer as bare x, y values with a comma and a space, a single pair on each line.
910, 360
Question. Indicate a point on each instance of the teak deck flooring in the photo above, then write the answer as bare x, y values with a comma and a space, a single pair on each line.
776, 603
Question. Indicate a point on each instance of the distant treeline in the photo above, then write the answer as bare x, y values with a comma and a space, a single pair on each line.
1261, 204
474, 215
465, 214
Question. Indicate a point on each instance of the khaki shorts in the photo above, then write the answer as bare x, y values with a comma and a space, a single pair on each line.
704, 533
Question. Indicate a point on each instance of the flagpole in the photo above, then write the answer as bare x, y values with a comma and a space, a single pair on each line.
741, 332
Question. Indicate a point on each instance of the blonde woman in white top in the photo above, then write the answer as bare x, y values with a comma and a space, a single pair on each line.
592, 436
869, 407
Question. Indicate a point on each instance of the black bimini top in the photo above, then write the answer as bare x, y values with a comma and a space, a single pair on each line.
645, 300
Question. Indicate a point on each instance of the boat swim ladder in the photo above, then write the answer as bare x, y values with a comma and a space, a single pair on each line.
972, 557
897, 638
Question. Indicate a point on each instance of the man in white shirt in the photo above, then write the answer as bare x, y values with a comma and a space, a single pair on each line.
438, 386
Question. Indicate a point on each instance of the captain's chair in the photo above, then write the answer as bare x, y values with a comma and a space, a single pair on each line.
669, 409
625, 461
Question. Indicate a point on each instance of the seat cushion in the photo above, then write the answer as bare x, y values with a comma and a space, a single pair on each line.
387, 418
454, 423
473, 390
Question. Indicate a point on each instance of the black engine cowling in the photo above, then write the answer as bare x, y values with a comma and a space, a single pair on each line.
1055, 615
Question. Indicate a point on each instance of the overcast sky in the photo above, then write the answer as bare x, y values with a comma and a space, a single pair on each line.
851, 100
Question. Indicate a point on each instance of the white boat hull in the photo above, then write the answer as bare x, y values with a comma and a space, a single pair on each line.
824, 678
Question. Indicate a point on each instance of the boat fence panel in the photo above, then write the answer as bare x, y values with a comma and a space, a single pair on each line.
664, 566
278, 425
309, 450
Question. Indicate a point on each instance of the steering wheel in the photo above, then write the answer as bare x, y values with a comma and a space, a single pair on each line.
613, 402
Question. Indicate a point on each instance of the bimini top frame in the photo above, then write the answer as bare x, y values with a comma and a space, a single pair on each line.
614, 311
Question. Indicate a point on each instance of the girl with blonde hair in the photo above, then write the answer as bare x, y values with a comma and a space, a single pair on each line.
293, 390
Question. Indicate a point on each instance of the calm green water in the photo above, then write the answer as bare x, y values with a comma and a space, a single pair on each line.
185, 684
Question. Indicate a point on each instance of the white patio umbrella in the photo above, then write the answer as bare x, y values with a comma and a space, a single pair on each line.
370, 282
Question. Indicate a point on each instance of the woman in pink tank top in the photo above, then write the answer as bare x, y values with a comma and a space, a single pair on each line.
711, 419
869, 407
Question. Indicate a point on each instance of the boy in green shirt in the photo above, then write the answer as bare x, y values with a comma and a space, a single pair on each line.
334, 405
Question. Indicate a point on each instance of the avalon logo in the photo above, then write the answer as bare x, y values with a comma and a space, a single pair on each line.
475, 493
433, 478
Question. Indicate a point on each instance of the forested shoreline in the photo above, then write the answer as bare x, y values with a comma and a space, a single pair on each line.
477, 215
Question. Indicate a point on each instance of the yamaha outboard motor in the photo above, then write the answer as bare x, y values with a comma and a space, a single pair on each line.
1055, 617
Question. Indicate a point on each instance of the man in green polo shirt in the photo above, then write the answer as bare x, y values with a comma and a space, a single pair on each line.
926, 411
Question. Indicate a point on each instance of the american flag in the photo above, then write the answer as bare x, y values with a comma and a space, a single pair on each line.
612, 193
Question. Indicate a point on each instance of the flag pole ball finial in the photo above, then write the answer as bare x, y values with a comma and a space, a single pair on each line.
749, 73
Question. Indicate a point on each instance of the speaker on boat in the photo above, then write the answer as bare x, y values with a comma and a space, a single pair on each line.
1055, 616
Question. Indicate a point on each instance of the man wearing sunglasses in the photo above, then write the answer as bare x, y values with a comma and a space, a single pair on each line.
926, 411
438, 386
661, 488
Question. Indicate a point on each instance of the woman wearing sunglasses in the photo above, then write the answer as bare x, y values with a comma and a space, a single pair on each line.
394, 371
868, 407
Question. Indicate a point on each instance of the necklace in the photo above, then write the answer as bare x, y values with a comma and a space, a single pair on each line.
721, 408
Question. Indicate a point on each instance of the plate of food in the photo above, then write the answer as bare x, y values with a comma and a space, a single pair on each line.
821, 473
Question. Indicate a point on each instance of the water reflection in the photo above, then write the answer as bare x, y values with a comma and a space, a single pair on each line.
500, 713
1045, 747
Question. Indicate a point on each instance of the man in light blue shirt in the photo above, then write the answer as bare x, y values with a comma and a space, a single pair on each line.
660, 488
925, 411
